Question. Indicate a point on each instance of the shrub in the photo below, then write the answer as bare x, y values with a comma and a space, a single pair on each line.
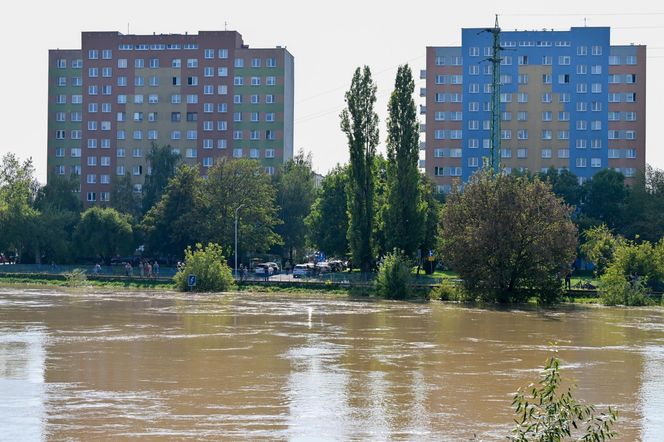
75, 278
614, 289
449, 292
393, 280
208, 265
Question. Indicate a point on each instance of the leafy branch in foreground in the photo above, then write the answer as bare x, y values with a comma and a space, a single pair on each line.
549, 416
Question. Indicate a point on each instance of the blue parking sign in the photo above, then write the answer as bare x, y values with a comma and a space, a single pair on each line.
191, 280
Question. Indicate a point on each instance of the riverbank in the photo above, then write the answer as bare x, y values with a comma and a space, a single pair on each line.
325, 289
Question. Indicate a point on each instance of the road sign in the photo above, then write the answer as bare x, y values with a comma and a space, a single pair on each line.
191, 280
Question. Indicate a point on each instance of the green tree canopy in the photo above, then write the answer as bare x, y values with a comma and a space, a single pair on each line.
359, 122
605, 197
404, 216
565, 185
240, 183
162, 163
60, 194
123, 197
644, 207
295, 196
104, 233
18, 190
173, 223
328, 219
506, 233
599, 246
432, 218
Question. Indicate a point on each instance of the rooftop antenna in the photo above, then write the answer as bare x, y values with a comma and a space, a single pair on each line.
225, 26
495, 59
127, 28
584, 22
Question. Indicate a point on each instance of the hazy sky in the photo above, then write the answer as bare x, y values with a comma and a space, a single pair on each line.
328, 40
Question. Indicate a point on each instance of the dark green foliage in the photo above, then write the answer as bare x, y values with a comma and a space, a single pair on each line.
359, 122
507, 237
545, 414
394, 280
606, 194
432, 218
60, 194
163, 163
172, 223
405, 213
209, 266
644, 208
328, 220
103, 233
295, 196
123, 197
229, 185
18, 189
565, 185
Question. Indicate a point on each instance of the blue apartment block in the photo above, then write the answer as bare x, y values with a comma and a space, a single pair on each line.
568, 100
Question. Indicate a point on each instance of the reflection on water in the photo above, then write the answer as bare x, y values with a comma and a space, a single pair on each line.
170, 366
21, 382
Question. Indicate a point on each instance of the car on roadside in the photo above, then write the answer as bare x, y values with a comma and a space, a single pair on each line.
303, 270
262, 268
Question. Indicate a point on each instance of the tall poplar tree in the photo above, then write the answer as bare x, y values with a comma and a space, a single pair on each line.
360, 124
404, 213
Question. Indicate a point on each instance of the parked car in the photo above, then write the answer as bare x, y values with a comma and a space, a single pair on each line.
337, 265
303, 270
323, 267
261, 268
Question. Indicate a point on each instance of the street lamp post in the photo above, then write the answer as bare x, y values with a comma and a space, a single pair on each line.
236, 216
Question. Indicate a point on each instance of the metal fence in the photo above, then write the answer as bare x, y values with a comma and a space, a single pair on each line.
51, 269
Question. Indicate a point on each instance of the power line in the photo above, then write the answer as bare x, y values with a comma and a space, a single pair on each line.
601, 14
329, 91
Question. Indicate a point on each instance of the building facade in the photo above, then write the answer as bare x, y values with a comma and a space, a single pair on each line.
207, 95
568, 99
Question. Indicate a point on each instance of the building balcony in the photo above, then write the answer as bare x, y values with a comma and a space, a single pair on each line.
423, 110
423, 145
423, 74
423, 92
423, 127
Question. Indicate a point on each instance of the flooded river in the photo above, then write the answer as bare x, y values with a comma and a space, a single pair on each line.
130, 366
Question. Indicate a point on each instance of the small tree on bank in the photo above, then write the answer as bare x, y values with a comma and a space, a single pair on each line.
208, 265
507, 236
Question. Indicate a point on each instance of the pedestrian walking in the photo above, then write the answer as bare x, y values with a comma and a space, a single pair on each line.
568, 279
155, 269
141, 268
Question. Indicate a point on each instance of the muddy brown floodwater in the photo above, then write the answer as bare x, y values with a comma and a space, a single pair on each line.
169, 366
